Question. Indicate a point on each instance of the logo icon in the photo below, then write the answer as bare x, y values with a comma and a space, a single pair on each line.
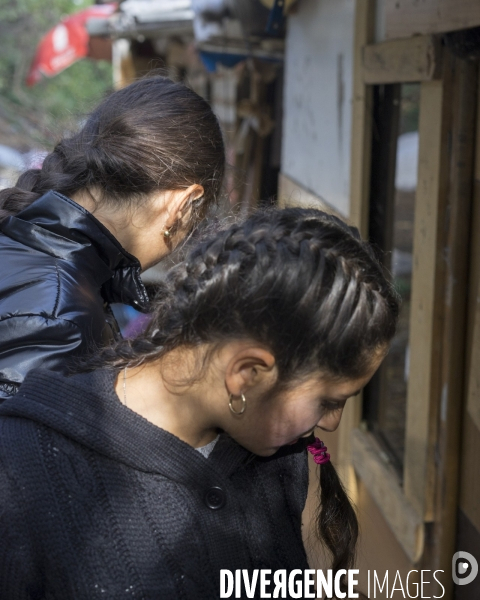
464, 568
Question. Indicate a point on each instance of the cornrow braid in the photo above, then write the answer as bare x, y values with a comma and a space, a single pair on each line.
299, 282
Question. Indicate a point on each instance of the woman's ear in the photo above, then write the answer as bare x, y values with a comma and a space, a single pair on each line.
180, 205
173, 208
250, 367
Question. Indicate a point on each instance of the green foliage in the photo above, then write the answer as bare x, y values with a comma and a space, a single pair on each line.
45, 110
73, 91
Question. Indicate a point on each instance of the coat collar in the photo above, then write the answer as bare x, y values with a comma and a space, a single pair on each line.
58, 226
86, 409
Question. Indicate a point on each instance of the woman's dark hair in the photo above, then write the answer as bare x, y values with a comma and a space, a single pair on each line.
152, 135
299, 282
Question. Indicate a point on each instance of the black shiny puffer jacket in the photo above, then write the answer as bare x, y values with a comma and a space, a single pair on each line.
60, 268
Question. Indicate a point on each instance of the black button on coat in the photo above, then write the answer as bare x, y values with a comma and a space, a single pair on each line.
215, 498
59, 270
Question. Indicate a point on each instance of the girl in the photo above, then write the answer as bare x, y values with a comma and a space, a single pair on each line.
187, 455
107, 203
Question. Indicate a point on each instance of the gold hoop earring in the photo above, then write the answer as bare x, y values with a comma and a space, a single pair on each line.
244, 405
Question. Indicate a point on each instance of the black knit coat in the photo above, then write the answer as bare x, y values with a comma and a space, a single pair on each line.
98, 503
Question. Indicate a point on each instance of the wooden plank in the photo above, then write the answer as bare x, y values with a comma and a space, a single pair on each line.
291, 193
383, 485
361, 119
473, 374
457, 227
426, 299
399, 61
405, 18
359, 198
470, 487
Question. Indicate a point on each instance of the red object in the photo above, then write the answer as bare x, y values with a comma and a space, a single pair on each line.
66, 43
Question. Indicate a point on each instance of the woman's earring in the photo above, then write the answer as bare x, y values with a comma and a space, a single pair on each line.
166, 233
244, 405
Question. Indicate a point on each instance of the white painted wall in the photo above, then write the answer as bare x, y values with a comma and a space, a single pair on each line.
318, 99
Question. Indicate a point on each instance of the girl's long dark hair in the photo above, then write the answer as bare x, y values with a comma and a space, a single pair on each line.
153, 135
337, 525
303, 284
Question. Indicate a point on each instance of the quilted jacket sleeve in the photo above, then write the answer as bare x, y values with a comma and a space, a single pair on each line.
30, 341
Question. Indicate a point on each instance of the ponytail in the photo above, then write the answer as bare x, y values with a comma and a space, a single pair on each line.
32, 184
337, 522
15, 199
153, 135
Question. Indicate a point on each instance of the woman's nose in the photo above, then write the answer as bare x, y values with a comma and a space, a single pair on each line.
331, 421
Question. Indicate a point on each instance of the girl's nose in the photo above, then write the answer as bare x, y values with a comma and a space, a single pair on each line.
330, 421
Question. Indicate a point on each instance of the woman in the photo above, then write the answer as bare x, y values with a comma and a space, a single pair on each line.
107, 203
187, 456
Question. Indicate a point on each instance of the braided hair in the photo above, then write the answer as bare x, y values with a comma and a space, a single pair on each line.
153, 135
299, 282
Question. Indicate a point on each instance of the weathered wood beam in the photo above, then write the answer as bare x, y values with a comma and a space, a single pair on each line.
400, 61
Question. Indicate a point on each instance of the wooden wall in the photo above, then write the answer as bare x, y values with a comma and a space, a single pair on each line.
468, 538
405, 18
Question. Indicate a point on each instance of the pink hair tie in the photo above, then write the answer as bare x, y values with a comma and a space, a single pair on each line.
319, 452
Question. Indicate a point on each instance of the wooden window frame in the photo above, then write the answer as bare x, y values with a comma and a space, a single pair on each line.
428, 498
409, 17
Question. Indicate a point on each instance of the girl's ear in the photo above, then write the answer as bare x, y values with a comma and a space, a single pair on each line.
250, 367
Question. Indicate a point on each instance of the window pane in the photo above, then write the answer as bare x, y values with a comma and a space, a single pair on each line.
392, 230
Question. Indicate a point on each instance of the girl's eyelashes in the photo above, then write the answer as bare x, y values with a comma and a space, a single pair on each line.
332, 406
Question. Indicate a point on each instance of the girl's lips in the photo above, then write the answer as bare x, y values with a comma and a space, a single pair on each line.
305, 435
